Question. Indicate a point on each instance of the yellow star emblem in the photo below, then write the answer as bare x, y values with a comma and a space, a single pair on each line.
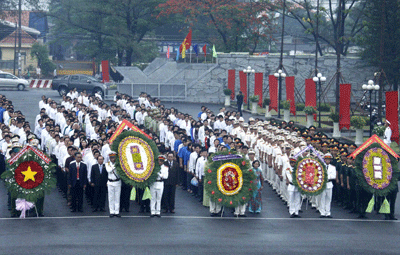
29, 175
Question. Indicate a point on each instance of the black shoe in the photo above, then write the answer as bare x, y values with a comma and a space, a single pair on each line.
165, 211
297, 216
392, 217
322, 216
112, 215
330, 217
242, 215
148, 210
152, 216
293, 215
73, 210
213, 214
41, 215
94, 210
300, 211
172, 211
362, 217
158, 215
117, 215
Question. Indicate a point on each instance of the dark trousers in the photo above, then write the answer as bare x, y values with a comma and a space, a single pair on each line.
240, 108
40, 205
77, 196
99, 196
183, 177
189, 177
391, 197
363, 199
125, 196
90, 194
200, 190
168, 197
144, 204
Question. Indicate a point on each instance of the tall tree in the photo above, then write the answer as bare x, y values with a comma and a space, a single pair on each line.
339, 25
233, 25
380, 42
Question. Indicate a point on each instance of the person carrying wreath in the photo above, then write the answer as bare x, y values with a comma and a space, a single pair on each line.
255, 201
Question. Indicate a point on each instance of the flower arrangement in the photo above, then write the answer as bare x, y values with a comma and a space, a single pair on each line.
227, 92
254, 98
266, 101
310, 176
309, 110
286, 105
379, 130
334, 116
358, 122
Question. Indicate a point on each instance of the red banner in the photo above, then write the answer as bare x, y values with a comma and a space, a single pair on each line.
344, 110
258, 87
273, 93
392, 113
231, 82
105, 70
290, 94
243, 84
311, 95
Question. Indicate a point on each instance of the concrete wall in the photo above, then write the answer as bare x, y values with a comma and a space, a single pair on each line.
205, 82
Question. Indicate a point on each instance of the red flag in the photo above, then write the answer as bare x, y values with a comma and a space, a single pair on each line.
231, 82
168, 54
205, 50
290, 94
187, 41
105, 70
392, 113
243, 85
344, 110
311, 95
258, 87
273, 93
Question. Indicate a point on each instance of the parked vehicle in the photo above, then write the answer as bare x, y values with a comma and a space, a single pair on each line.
8, 80
81, 82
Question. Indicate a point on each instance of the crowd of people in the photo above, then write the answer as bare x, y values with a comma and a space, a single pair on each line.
76, 131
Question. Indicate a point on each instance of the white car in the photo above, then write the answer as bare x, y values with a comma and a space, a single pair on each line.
8, 80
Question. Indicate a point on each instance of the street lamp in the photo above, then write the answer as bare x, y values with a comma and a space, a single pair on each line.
248, 71
280, 74
370, 87
319, 79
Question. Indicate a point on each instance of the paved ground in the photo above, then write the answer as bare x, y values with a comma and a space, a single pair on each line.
190, 230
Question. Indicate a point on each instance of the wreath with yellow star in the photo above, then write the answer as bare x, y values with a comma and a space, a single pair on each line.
30, 177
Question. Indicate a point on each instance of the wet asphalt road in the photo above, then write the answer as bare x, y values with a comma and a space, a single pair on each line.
190, 230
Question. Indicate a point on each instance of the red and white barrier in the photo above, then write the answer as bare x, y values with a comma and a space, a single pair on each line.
40, 84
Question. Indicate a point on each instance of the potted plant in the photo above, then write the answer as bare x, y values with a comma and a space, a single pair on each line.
266, 103
358, 123
300, 107
228, 94
286, 110
334, 116
324, 108
310, 111
254, 100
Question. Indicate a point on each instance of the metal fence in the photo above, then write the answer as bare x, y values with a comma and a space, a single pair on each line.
164, 92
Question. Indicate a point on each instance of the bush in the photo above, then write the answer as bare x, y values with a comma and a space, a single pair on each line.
286, 105
254, 98
334, 116
266, 101
300, 107
358, 122
227, 92
309, 110
324, 108
379, 130
41, 53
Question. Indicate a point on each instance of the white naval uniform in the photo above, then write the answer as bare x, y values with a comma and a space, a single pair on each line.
388, 135
326, 195
114, 188
156, 190
293, 194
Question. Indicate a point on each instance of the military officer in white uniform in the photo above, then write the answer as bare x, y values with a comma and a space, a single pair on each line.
114, 186
157, 188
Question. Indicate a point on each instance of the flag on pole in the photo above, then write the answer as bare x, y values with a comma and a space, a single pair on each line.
177, 54
168, 54
183, 49
187, 41
205, 50
214, 52
196, 50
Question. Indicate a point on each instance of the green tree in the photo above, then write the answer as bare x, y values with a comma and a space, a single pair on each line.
41, 53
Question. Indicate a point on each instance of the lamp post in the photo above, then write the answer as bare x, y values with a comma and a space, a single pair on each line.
280, 74
370, 87
248, 71
318, 80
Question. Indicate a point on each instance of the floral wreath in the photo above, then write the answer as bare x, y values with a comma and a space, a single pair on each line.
310, 176
30, 177
137, 163
229, 179
375, 171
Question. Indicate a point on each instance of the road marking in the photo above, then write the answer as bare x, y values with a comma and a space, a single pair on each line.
204, 217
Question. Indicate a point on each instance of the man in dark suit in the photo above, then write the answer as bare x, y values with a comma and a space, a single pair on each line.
98, 180
168, 198
77, 181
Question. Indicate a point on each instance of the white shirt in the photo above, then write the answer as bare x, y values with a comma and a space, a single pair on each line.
192, 161
388, 135
201, 162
